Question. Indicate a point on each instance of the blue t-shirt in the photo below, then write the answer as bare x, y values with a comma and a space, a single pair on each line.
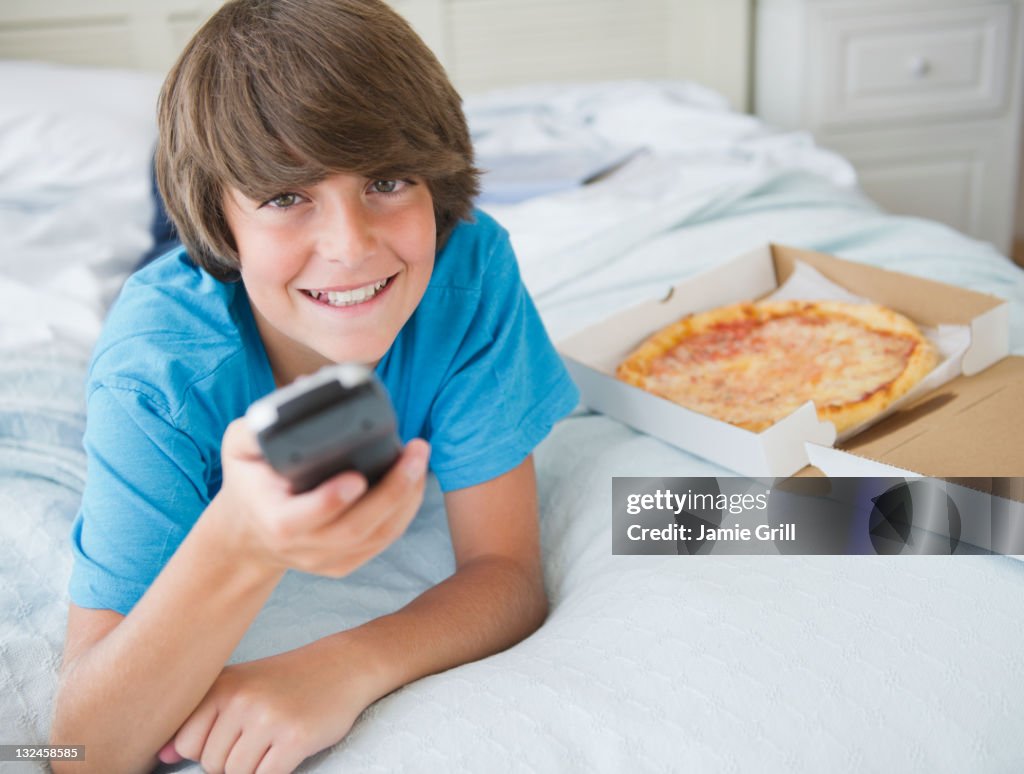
472, 371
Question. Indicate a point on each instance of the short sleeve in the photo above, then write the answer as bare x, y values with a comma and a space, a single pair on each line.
507, 387
144, 491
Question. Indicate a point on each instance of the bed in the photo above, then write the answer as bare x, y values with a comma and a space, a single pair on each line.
650, 664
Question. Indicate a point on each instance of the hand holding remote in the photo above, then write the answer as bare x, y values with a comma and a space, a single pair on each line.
329, 530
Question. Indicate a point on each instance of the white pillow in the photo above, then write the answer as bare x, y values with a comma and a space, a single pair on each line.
76, 203
64, 128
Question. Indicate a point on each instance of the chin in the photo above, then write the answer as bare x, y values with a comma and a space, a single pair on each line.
361, 354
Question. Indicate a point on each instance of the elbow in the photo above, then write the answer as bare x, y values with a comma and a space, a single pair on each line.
99, 752
516, 588
65, 730
63, 733
534, 604
68, 766
60, 734
541, 605
89, 766
66, 726
95, 759
76, 765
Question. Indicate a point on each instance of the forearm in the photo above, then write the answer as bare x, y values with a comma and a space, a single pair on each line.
485, 607
129, 693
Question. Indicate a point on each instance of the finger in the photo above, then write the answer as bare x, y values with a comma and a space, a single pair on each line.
405, 478
328, 501
246, 754
191, 737
321, 507
396, 495
392, 528
311, 510
280, 760
408, 503
223, 736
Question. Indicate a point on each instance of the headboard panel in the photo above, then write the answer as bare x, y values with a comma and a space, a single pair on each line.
483, 43
111, 33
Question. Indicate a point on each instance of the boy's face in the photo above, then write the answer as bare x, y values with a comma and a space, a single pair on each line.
333, 270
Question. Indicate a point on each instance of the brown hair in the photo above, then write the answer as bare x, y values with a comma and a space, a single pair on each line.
275, 94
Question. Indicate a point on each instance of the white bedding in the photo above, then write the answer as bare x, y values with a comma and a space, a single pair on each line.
646, 663
75, 209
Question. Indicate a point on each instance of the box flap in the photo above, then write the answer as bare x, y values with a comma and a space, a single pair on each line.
990, 339
971, 426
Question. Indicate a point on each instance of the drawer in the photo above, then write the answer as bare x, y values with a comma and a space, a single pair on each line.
905, 62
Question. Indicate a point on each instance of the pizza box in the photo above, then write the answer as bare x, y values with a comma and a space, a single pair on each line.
941, 420
971, 427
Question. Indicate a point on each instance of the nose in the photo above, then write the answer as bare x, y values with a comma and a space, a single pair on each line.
347, 232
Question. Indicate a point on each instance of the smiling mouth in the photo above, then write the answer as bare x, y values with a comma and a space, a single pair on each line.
350, 297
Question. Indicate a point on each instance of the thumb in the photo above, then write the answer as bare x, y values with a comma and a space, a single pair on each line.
240, 441
168, 754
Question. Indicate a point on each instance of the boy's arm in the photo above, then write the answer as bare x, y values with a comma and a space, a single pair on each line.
297, 703
128, 683
495, 599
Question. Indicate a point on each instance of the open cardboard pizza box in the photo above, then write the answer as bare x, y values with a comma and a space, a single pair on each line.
970, 425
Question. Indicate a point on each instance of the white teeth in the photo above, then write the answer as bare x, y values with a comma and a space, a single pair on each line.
349, 297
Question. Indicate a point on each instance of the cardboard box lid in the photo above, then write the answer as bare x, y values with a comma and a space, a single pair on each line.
972, 426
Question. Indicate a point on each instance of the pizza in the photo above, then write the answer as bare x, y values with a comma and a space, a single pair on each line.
751, 364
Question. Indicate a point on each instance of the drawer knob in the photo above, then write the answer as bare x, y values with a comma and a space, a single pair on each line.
919, 66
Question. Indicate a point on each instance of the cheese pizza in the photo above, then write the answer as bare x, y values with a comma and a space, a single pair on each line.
752, 364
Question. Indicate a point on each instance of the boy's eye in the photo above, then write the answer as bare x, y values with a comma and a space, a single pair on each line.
283, 201
384, 186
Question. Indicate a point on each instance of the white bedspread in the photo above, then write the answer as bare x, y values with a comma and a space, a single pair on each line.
646, 663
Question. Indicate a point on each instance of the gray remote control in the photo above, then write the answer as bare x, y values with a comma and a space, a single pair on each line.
339, 418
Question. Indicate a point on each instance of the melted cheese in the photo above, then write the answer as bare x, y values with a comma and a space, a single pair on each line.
754, 373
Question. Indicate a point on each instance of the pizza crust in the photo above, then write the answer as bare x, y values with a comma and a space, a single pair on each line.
851, 331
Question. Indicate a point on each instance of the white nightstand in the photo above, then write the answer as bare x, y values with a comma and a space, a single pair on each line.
923, 96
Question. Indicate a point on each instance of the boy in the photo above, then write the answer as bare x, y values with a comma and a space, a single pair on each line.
316, 163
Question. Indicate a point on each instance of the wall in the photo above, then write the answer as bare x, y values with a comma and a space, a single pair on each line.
483, 43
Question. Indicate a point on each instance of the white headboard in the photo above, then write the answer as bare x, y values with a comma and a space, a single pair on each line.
483, 43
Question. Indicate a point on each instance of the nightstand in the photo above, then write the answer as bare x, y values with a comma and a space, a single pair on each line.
923, 96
